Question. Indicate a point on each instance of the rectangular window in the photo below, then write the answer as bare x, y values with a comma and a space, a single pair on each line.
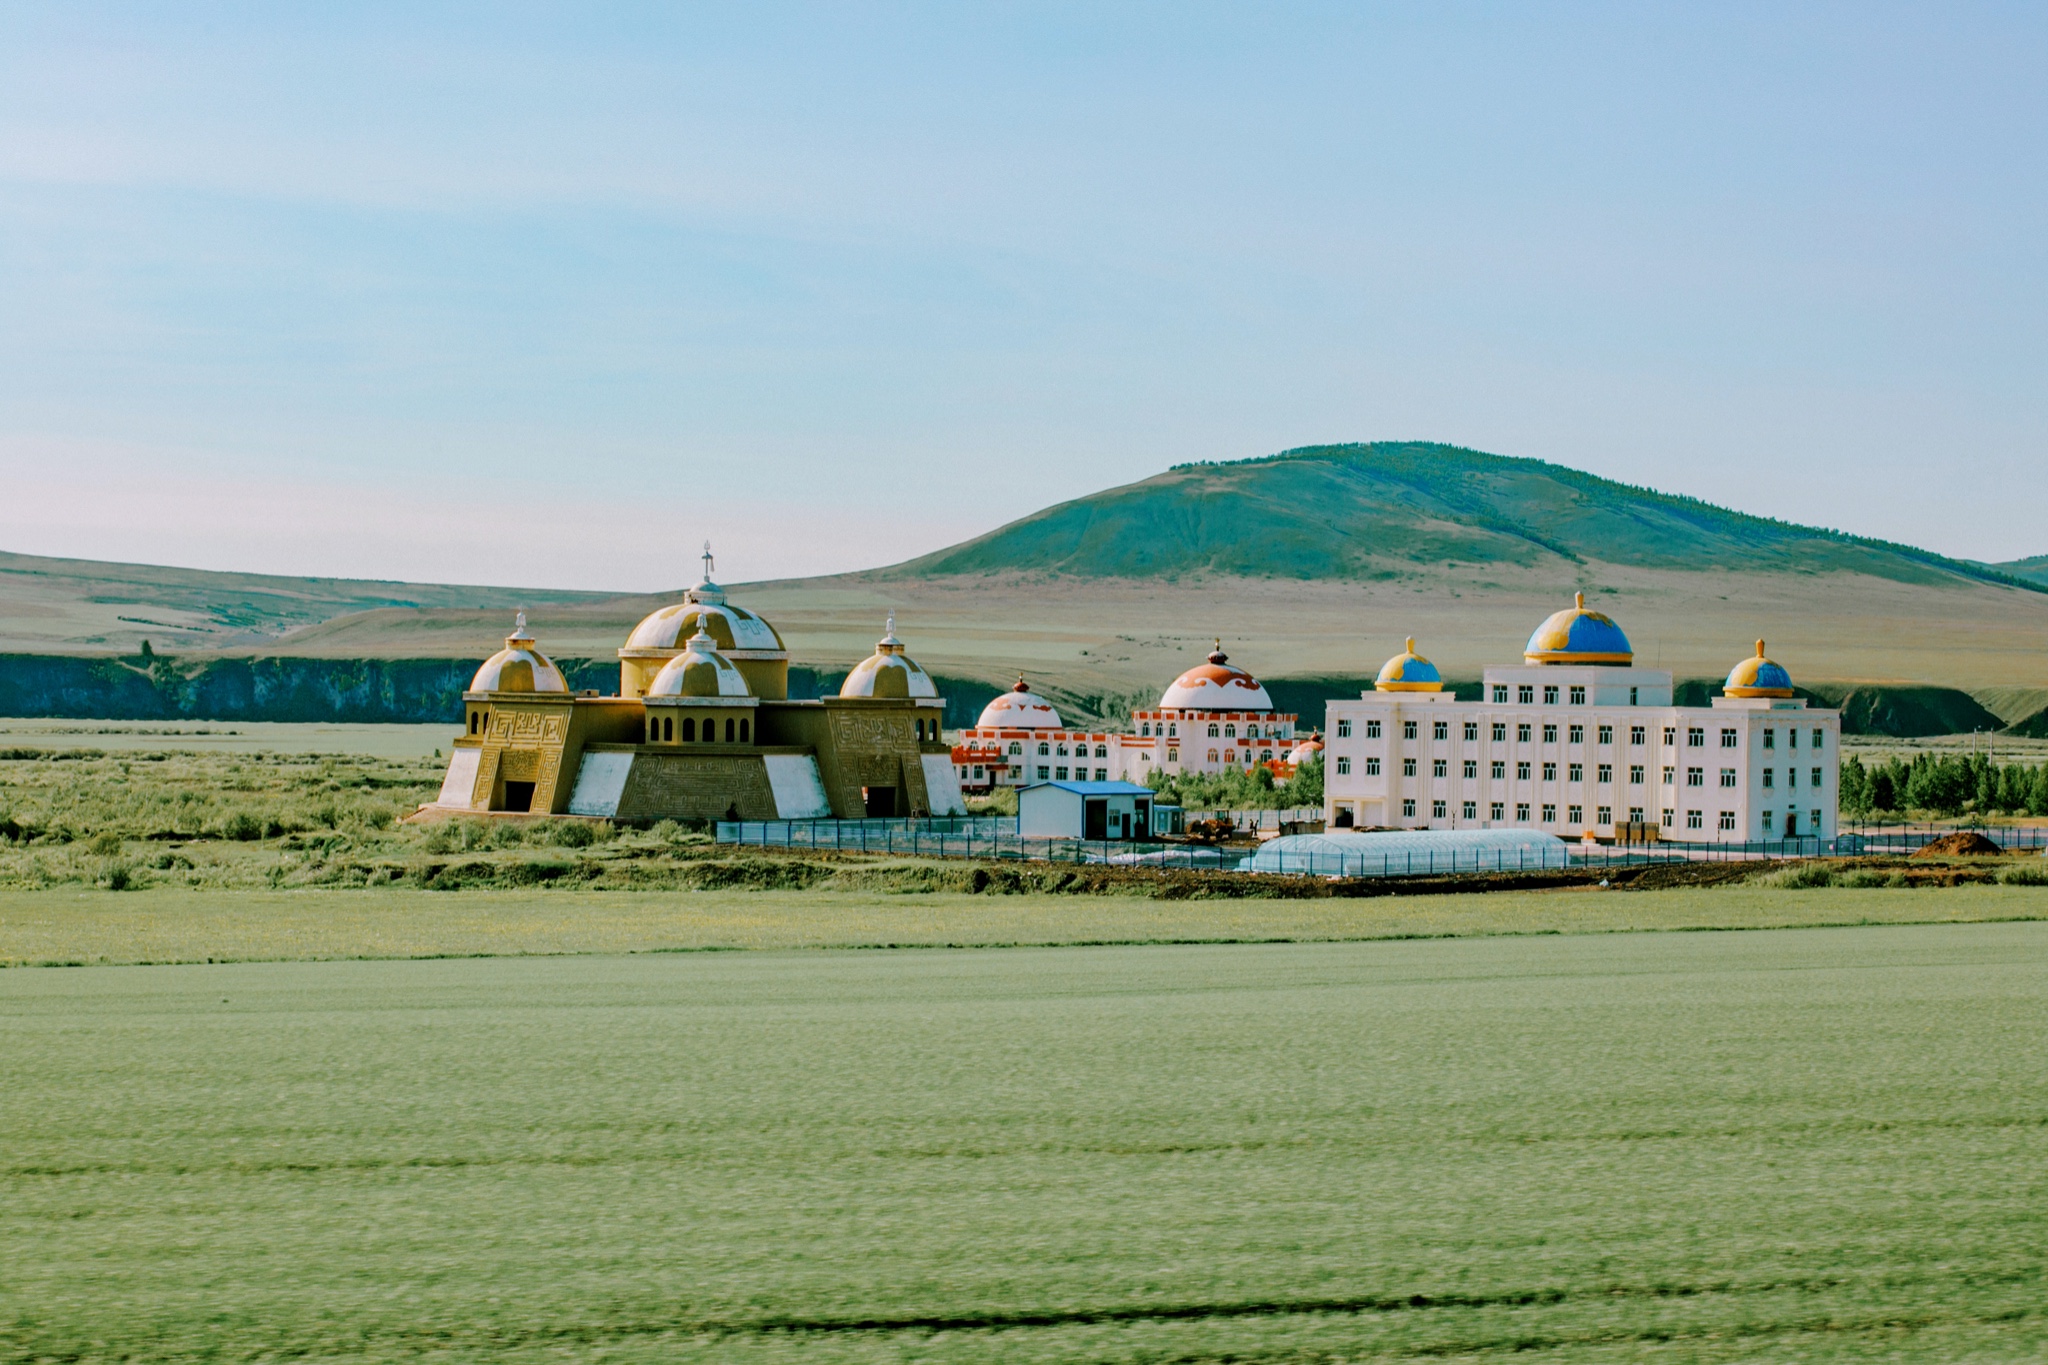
1471, 731
1471, 767
1372, 767
1500, 732
1436, 810
1471, 810
1550, 694
1607, 734
1549, 814
1575, 815
1500, 769
1635, 815
1343, 729
1060, 773
1668, 770
1372, 729
1670, 735
1440, 768
1440, 730
1728, 819
1695, 737
1816, 779
1606, 773
1522, 811
1791, 777
1102, 774
1635, 735
1550, 734
1635, 774
1816, 820
1818, 735
1730, 741
1500, 694
1497, 811
1578, 696
1670, 818
1408, 808
1728, 777
1407, 767
1770, 738
1550, 772
1576, 735
1525, 694
1695, 777
1343, 764
1791, 736
1521, 772
1693, 820
1043, 772
1632, 696
1576, 773
1407, 729
1522, 733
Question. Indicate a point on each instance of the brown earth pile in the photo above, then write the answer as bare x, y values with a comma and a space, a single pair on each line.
1963, 841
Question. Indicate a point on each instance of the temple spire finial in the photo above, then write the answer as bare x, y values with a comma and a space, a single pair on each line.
709, 564
1579, 601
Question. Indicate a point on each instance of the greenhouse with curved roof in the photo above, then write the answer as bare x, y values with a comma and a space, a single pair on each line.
1409, 853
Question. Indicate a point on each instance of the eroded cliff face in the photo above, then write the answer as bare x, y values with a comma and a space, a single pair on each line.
401, 691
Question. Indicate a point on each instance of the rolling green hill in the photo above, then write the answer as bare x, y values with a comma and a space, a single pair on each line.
1390, 508
2034, 569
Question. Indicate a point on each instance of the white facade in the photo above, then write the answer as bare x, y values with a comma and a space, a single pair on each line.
1582, 749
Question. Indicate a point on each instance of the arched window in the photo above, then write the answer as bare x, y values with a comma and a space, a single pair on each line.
1145, 729
1172, 730
743, 733
1230, 731
1016, 748
653, 729
729, 723
689, 727
668, 727
710, 729
1102, 751
1213, 731
1212, 755
1061, 750
1045, 750
473, 716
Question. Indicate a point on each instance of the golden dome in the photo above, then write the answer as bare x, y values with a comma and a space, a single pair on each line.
1758, 677
518, 667
699, 671
1408, 672
1578, 636
889, 672
738, 634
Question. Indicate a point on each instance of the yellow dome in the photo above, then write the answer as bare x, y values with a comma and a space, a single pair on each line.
1409, 672
1578, 636
889, 672
699, 671
735, 632
518, 667
1758, 677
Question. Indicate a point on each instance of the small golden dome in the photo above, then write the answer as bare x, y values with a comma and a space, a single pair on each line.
518, 667
699, 671
889, 672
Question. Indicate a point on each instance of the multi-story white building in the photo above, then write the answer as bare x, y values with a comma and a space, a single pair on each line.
1215, 717
1577, 741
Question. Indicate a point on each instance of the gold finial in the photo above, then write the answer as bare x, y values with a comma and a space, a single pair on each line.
1759, 649
1579, 601
1411, 644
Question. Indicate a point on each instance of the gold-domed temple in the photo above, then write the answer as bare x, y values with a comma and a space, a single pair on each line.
703, 727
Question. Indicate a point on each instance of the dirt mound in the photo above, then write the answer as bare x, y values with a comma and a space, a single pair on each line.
1963, 841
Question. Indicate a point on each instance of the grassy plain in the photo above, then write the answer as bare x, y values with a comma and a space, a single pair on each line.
226, 737
1811, 1145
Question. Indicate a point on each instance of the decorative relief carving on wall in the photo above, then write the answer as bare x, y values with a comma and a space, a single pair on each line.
685, 785
520, 765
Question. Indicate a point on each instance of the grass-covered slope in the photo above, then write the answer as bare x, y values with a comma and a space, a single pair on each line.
1361, 511
2034, 569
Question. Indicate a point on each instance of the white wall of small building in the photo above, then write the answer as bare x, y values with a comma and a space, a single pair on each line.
1753, 759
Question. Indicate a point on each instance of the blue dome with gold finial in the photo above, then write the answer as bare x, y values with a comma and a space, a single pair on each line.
1758, 677
1578, 636
1409, 672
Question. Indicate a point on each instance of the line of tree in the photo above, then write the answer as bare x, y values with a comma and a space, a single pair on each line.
1234, 790
1943, 785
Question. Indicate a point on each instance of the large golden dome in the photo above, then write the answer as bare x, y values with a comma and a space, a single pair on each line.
1578, 636
741, 636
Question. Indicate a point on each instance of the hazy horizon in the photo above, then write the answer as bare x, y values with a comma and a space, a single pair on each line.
547, 296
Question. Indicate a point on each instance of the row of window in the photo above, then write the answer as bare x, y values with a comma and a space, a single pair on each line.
1171, 730
1602, 815
1638, 735
1574, 772
662, 730
1080, 774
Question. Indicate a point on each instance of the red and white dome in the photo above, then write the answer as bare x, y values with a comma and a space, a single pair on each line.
1019, 709
1216, 686
1312, 747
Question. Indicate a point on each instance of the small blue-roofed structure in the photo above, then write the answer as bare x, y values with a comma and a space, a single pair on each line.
1085, 810
1410, 853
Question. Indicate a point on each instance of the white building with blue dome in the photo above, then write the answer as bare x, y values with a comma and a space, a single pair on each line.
1579, 742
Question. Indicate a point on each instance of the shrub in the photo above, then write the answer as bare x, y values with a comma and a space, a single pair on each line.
1871, 876
2031, 873
106, 843
573, 833
1802, 877
241, 827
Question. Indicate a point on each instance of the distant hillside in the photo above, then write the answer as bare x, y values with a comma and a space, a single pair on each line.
2034, 570
1386, 509
81, 602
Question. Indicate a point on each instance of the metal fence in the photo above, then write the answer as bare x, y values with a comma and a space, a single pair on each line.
995, 838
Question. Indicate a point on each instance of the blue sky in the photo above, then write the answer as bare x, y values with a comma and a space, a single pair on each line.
548, 295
